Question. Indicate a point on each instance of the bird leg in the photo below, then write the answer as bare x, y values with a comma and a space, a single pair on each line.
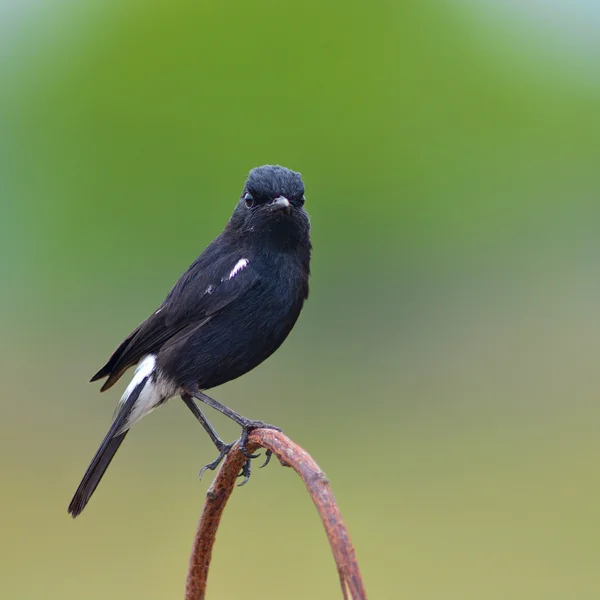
247, 426
222, 447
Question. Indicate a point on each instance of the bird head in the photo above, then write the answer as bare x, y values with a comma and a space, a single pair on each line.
272, 206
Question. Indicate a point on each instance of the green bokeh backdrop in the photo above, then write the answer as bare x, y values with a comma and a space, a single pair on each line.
445, 370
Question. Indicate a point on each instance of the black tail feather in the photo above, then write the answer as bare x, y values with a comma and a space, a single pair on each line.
102, 373
104, 455
109, 367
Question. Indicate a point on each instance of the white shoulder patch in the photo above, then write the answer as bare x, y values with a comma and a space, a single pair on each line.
239, 265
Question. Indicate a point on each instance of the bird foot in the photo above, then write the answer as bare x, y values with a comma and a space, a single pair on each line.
243, 442
223, 451
246, 429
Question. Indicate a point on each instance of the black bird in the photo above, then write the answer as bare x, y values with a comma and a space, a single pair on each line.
228, 312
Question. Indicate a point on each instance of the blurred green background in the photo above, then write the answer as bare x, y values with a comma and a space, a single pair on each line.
444, 372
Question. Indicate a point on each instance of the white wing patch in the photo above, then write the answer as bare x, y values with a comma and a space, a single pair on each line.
239, 265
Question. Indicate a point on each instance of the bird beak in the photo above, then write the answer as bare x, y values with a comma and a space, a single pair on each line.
280, 202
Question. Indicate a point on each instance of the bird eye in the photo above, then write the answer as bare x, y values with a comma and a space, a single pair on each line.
249, 200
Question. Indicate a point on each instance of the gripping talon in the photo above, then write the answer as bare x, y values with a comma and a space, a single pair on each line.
243, 445
215, 463
245, 473
246, 429
268, 455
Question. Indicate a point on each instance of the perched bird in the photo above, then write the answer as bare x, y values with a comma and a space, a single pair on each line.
228, 312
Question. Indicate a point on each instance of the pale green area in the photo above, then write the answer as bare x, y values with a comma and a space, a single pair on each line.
445, 371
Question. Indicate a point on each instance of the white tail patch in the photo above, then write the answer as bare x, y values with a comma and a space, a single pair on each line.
239, 265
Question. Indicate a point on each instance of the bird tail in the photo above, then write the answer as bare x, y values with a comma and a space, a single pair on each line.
110, 444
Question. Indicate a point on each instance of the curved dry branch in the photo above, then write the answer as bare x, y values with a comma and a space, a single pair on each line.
292, 455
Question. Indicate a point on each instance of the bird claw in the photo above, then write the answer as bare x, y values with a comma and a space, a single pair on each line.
250, 426
215, 463
268, 455
243, 445
245, 473
247, 468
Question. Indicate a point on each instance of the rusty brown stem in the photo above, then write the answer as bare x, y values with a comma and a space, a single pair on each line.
292, 455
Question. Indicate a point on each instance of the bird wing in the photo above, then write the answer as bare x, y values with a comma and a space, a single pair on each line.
197, 297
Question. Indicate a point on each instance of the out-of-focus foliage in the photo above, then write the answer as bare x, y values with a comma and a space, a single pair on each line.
444, 372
